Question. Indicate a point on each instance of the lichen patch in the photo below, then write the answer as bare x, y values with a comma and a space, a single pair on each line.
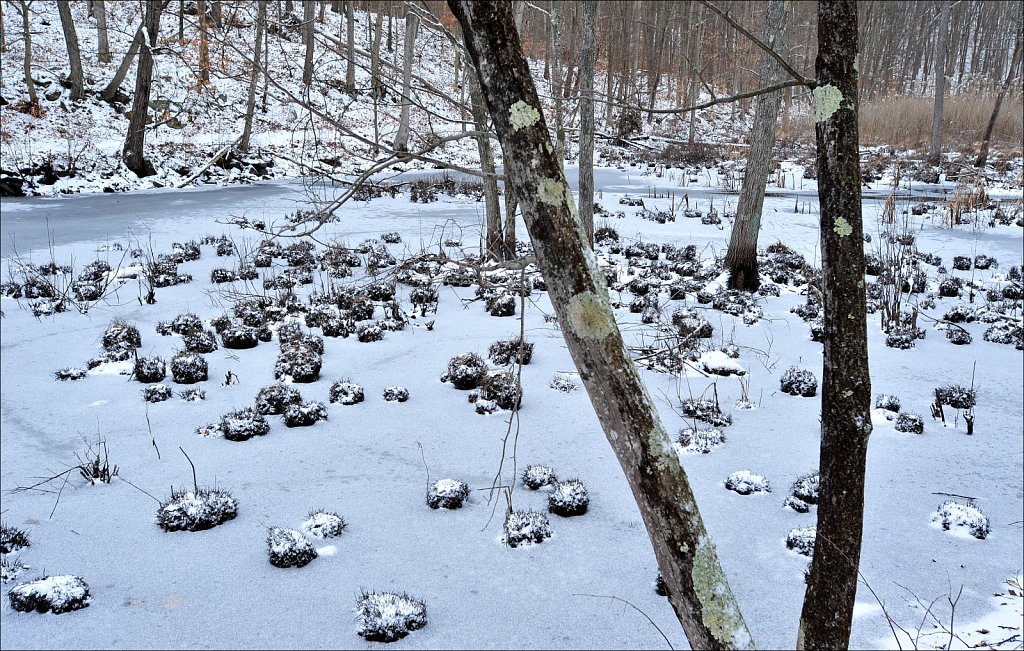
720, 614
827, 99
590, 317
842, 227
523, 115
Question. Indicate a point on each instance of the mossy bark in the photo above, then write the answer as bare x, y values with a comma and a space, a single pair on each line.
699, 591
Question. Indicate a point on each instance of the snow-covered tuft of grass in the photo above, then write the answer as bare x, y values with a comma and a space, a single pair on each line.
447, 494
569, 498
305, 415
535, 476
960, 518
387, 616
196, 510
465, 371
324, 524
802, 540
693, 440
56, 594
12, 539
745, 482
526, 527
346, 393
243, 424
799, 382
288, 548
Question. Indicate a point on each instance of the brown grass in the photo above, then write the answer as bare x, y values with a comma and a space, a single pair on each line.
905, 122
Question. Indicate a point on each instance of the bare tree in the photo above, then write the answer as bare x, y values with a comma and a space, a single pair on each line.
492, 207
697, 586
741, 258
103, 46
1000, 96
23, 7
204, 42
308, 15
133, 153
846, 383
935, 151
110, 90
250, 103
402, 137
586, 76
77, 77
350, 56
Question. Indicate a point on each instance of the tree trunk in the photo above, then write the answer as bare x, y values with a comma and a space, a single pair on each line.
557, 80
110, 91
492, 207
67, 24
377, 89
983, 154
33, 97
308, 11
350, 51
217, 13
586, 76
694, 88
511, 206
697, 586
250, 104
402, 137
846, 383
103, 47
741, 258
935, 151
204, 42
133, 154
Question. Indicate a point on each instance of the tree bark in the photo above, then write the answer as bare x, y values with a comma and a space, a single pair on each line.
694, 88
111, 88
77, 77
935, 151
250, 103
402, 137
204, 42
492, 207
103, 47
377, 89
133, 154
557, 80
987, 138
697, 586
308, 14
350, 51
33, 96
586, 76
741, 258
846, 383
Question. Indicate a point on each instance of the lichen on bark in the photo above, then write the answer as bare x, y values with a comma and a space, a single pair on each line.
827, 99
720, 614
523, 115
589, 316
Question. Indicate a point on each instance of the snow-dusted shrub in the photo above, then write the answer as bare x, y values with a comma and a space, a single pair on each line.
243, 424
956, 396
501, 304
950, 287
961, 263
501, 388
396, 394
707, 411
380, 291
186, 323
273, 399
391, 238
12, 539
526, 527
299, 363
887, 402
563, 383
304, 415
745, 482
909, 423
904, 338
568, 498
535, 476
188, 510
465, 371
121, 334
982, 261
193, 394
369, 332
802, 540
509, 351
201, 341
447, 494
1005, 333
11, 568
386, 616
699, 441
310, 341
150, 369
157, 393
56, 594
806, 487
187, 251
799, 382
70, 373
189, 368
346, 393
221, 275
238, 337
952, 514
691, 326
288, 548
337, 327
324, 524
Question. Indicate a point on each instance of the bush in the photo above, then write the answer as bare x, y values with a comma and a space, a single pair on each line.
699, 441
186, 323
802, 540
396, 394
121, 335
799, 382
535, 476
465, 371
956, 396
510, 351
288, 548
150, 369
909, 423
707, 411
189, 368
958, 336
273, 399
243, 424
563, 383
299, 363
195, 394
447, 494
12, 539
502, 389
745, 482
953, 515
803, 493
70, 373
525, 527
305, 415
156, 393
369, 332
56, 594
237, 337
201, 341
196, 510
569, 498
887, 402
346, 393
324, 524
386, 616
501, 304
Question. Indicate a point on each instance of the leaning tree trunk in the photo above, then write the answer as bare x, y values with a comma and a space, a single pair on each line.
250, 103
110, 90
697, 586
103, 44
741, 258
557, 80
846, 384
67, 24
586, 76
983, 154
133, 154
492, 209
308, 14
33, 97
935, 151
402, 137
350, 51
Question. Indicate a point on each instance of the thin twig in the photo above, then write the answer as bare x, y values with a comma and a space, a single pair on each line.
195, 482
630, 604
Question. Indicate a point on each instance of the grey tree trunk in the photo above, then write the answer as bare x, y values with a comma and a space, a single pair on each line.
350, 52
377, 89
308, 15
133, 154
587, 58
110, 90
557, 79
935, 151
402, 137
204, 42
33, 96
694, 88
987, 138
511, 206
846, 383
103, 47
492, 207
250, 103
741, 258
77, 77
697, 586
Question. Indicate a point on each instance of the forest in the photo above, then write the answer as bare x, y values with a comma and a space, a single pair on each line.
512, 324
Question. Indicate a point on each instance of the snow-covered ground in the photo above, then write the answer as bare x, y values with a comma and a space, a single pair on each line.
372, 462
